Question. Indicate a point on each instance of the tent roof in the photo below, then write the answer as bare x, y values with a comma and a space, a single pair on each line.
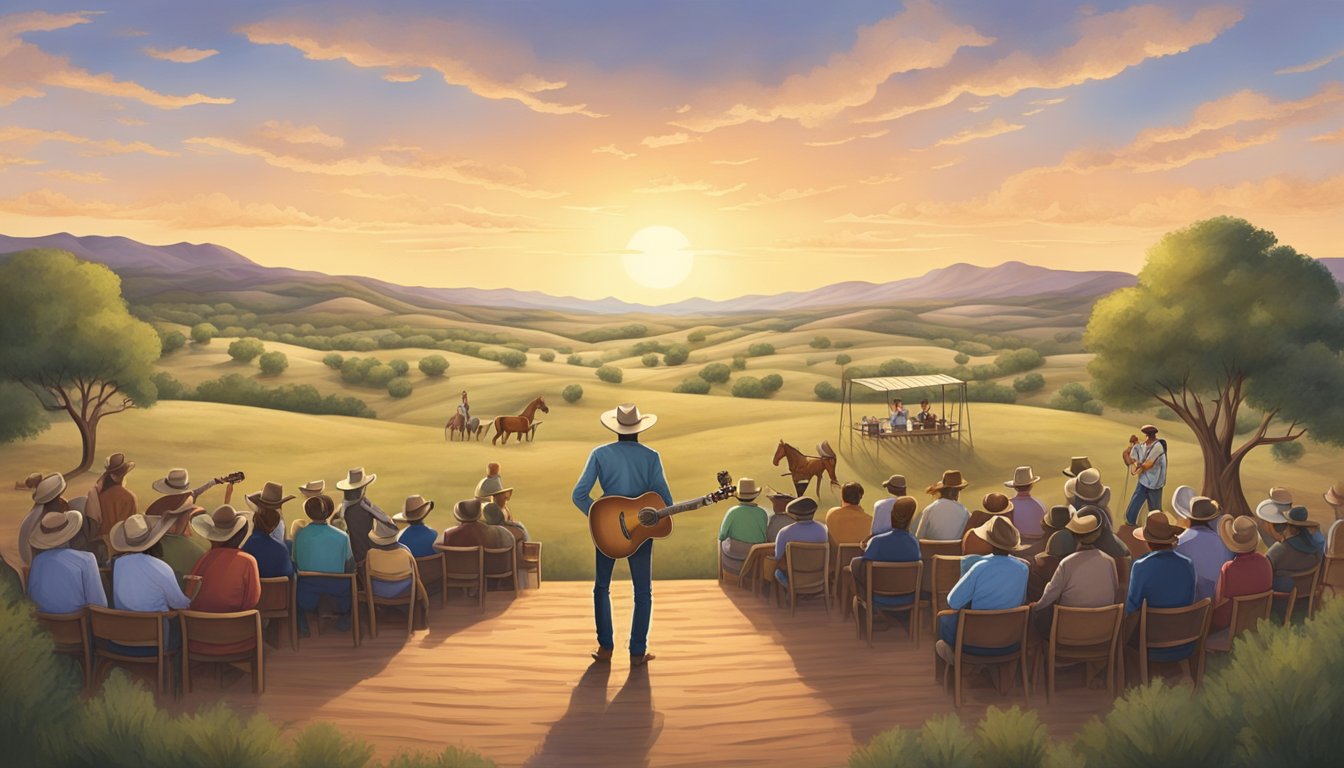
893, 383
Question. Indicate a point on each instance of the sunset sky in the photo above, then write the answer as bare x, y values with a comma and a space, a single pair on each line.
793, 144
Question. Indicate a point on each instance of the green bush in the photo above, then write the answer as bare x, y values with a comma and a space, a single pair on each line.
842, 360
598, 335
379, 374
984, 372
716, 373
650, 360
973, 348
572, 393
1019, 361
333, 360
574, 360
169, 388
693, 386
246, 350
237, 389
1166, 414
989, 392
1288, 452
364, 344
610, 374
676, 354
760, 350
433, 365
749, 386
772, 383
399, 388
819, 342
273, 363
1032, 382
739, 363
695, 337
21, 415
202, 333
843, 344
171, 341
400, 366
546, 356
961, 358
825, 390
1075, 397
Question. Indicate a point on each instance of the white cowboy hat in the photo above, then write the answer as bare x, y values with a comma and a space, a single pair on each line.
55, 528
1334, 495
626, 419
1022, 476
1086, 486
355, 479
220, 525
1273, 508
137, 533
49, 488
383, 534
1180, 501
492, 483
177, 481
747, 489
313, 488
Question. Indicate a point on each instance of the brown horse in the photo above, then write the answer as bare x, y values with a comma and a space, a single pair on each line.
803, 468
468, 427
518, 425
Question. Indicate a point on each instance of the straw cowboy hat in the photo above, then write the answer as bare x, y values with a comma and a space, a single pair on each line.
313, 488
467, 510
1056, 518
138, 533
415, 508
999, 533
355, 479
55, 528
1084, 521
895, 483
951, 479
1157, 529
747, 489
177, 481
272, 495
903, 511
1239, 534
1203, 509
48, 488
1334, 495
1076, 466
492, 483
626, 419
382, 534
802, 508
1272, 509
1022, 476
319, 508
117, 464
1086, 486
221, 525
1180, 501
996, 504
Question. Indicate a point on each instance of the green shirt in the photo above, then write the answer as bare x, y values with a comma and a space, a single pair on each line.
181, 554
746, 523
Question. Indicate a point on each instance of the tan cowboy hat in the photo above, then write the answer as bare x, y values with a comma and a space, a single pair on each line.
1022, 476
319, 508
1084, 521
177, 481
221, 525
1076, 465
355, 479
1334, 495
49, 488
1086, 486
1239, 533
747, 490
382, 534
1158, 529
138, 533
626, 419
951, 479
996, 504
1056, 518
272, 495
313, 488
772, 494
895, 483
803, 507
55, 528
1203, 509
492, 483
1000, 533
1273, 508
903, 511
467, 510
117, 464
32, 480
416, 508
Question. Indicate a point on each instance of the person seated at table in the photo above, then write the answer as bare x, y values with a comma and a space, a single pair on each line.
994, 583
230, 580
926, 419
900, 416
61, 579
744, 526
273, 558
804, 530
321, 548
417, 536
895, 545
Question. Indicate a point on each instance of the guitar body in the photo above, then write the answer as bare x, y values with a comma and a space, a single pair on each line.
614, 524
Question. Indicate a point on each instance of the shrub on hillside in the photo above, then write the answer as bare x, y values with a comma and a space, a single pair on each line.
989, 392
202, 333
1018, 361
333, 360
546, 356
1032, 382
819, 342
899, 367
367, 372
169, 387
739, 363
171, 341
676, 354
984, 372
574, 360
695, 337
246, 350
610, 374
842, 360
716, 373
825, 390
433, 365
693, 386
273, 363
364, 344
772, 383
973, 348
749, 386
961, 358
598, 335
1288, 452
1075, 397
650, 360
399, 388
400, 366
237, 389
760, 350
572, 393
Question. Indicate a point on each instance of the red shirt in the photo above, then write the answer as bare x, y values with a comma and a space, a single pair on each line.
1248, 573
229, 583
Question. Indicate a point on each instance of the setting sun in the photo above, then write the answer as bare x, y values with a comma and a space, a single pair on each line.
658, 257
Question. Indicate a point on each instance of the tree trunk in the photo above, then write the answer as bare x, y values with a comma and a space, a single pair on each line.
88, 437
1222, 481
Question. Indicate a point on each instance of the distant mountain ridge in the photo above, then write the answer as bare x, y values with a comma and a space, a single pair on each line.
208, 266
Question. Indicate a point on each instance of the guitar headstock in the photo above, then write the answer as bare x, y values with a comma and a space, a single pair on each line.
230, 479
726, 487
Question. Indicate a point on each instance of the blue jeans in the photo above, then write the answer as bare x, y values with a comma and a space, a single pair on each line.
947, 632
641, 575
1142, 493
310, 592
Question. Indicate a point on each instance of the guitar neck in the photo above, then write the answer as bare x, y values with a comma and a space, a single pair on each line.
685, 506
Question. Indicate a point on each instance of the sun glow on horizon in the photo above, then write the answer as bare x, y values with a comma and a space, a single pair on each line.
658, 257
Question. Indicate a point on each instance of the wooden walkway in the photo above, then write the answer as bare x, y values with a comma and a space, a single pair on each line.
736, 682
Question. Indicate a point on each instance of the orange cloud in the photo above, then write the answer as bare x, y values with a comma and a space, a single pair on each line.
612, 149
781, 197
1330, 137
283, 130
401, 77
181, 54
1310, 66
838, 142
6, 160
669, 140
673, 184
78, 178
996, 128
16, 134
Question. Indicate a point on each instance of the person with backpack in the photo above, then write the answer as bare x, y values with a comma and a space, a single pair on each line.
1148, 459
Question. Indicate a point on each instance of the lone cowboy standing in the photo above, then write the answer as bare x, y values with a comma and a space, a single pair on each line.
1148, 460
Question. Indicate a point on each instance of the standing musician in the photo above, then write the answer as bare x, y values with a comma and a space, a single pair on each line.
1148, 460
624, 468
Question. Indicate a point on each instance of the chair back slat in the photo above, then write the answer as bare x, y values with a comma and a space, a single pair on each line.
464, 562
1087, 626
275, 595
127, 627
1170, 627
1305, 581
66, 629
499, 562
946, 573
1248, 610
531, 551
807, 566
219, 628
993, 629
431, 568
894, 579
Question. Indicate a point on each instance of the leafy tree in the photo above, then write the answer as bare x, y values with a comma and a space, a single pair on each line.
546, 356
1075, 397
843, 359
693, 386
1018, 361
202, 333
1032, 382
21, 416
86, 354
749, 386
825, 390
512, 358
716, 373
760, 350
246, 350
433, 365
1223, 317
399, 388
610, 374
676, 354
572, 393
171, 341
819, 342
961, 358
333, 360
169, 387
400, 366
772, 383
650, 360
273, 363
379, 375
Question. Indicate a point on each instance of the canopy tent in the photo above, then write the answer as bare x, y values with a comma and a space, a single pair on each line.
878, 428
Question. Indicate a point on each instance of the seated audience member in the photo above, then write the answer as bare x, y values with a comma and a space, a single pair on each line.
388, 559
945, 519
1334, 543
895, 545
1087, 490
1027, 510
995, 504
491, 488
779, 519
1084, 579
141, 580
994, 583
272, 497
273, 557
470, 530
1164, 578
417, 537
310, 489
743, 527
1295, 549
496, 535
116, 503
47, 498
1057, 547
230, 580
1202, 544
1247, 573
180, 549
61, 579
357, 511
322, 548
895, 486
848, 523
804, 530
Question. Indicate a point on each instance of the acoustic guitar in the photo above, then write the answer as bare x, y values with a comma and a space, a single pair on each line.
620, 525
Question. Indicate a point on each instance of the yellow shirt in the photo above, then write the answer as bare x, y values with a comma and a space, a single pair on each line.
848, 524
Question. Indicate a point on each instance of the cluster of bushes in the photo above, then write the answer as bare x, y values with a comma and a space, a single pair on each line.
1076, 397
676, 354
825, 390
696, 337
693, 386
236, 389
369, 371
1018, 361
434, 366
760, 349
598, 335
750, 386
1032, 382
819, 342
716, 373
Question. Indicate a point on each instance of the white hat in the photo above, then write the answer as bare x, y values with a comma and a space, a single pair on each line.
49, 488
55, 528
355, 479
625, 419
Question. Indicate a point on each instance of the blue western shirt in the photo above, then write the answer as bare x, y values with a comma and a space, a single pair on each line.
65, 580
419, 538
1166, 579
626, 468
321, 548
895, 546
273, 559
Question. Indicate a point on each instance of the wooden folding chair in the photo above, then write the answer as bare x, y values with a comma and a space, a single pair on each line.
843, 555
987, 629
278, 601
1171, 627
219, 629
464, 567
945, 572
135, 630
70, 633
807, 566
353, 580
500, 563
1332, 574
105, 573
1305, 585
531, 562
433, 570
1082, 636
889, 580
413, 595
1247, 611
